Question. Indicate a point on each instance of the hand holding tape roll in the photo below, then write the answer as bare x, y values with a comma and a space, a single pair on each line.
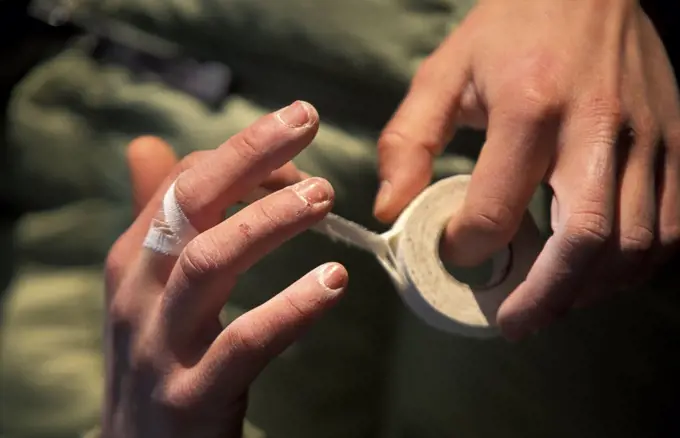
409, 252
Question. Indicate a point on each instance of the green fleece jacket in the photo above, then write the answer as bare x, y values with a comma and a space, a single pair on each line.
368, 369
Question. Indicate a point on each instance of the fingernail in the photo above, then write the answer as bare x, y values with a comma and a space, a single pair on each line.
314, 191
333, 277
296, 115
383, 198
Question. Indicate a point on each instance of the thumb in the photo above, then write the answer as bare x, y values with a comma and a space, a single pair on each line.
150, 160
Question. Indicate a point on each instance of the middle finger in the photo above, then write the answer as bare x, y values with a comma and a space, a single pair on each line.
209, 266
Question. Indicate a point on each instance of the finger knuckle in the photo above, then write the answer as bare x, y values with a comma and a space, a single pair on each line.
672, 138
427, 73
494, 217
119, 313
605, 112
393, 139
637, 239
248, 145
646, 128
538, 98
115, 262
390, 139
143, 355
200, 258
536, 92
243, 339
300, 310
177, 395
588, 229
273, 216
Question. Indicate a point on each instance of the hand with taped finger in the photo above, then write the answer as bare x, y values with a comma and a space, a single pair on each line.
172, 369
579, 95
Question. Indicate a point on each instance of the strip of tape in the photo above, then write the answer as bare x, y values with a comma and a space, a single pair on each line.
170, 230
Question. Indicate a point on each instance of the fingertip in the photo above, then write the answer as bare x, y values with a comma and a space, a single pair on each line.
513, 326
312, 113
383, 208
405, 170
513, 333
315, 192
149, 147
150, 160
482, 227
464, 246
299, 114
394, 197
526, 311
333, 277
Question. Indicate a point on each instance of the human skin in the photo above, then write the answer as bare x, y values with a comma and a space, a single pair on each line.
172, 370
578, 94
554, 83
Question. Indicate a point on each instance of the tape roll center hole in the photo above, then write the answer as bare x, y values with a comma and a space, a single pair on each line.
487, 274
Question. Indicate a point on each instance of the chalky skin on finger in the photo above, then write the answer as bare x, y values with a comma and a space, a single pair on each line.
163, 335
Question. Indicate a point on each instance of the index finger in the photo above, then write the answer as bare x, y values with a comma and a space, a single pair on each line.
420, 129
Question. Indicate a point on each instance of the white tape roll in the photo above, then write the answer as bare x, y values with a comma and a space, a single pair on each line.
409, 252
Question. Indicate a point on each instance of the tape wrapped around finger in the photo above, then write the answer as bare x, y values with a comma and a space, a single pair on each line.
170, 230
409, 252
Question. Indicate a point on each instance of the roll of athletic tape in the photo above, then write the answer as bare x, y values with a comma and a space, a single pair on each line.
409, 252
